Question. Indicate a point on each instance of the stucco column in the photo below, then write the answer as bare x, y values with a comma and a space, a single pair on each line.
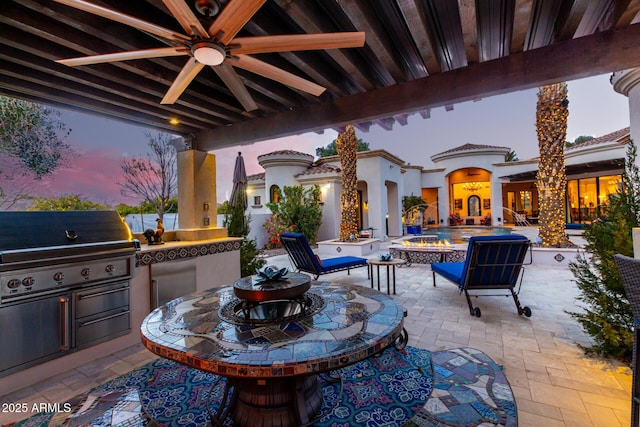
626, 83
197, 203
496, 201
444, 204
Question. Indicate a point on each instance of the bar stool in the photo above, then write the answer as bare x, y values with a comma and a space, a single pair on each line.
629, 269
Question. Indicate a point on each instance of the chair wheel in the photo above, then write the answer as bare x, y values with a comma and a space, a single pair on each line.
526, 311
476, 312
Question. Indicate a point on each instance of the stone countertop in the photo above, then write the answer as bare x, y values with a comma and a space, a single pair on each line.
175, 250
144, 246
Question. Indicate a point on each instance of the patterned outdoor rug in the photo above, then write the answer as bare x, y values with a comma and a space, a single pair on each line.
469, 389
387, 390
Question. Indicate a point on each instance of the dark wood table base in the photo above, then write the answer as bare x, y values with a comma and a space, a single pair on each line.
293, 401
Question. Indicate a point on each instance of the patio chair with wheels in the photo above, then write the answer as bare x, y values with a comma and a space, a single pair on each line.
303, 258
629, 269
492, 262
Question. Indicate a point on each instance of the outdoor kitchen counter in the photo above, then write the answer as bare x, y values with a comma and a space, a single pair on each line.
177, 268
217, 262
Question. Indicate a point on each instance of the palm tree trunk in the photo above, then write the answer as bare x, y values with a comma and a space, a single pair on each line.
346, 145
551, 125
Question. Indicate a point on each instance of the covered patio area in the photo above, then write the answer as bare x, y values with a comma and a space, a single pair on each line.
553, 382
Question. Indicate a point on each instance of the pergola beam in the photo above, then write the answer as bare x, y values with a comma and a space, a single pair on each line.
567, 60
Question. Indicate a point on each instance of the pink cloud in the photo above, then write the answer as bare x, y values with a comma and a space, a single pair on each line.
92, 174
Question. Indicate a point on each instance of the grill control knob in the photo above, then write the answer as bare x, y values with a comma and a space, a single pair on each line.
58, 276
14, 283
85, 272
28, 281
109, 268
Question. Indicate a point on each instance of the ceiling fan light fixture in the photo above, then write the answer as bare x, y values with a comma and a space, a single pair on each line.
208, 8
208, 53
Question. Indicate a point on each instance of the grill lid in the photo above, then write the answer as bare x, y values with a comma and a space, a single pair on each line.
30, 236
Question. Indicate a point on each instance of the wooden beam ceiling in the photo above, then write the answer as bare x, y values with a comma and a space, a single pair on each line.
602, 53
418, 55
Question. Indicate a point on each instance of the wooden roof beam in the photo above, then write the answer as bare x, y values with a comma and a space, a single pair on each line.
567, 60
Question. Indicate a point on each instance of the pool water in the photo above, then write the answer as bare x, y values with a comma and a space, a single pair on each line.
460, 234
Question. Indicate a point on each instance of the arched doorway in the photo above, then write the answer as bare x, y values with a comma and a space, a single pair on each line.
473, 206
470, 194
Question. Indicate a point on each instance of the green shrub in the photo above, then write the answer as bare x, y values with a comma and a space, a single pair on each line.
237, 225
298, 209
607, 315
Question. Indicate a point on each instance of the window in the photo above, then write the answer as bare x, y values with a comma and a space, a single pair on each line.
525, 201
607, 186
588, 198
274, 194
256, 201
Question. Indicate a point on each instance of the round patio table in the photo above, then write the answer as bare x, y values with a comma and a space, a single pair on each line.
391, 263
271, 367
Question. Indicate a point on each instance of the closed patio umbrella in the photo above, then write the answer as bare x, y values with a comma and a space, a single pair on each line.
238, 192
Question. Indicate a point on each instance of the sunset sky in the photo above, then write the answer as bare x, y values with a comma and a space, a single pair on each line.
508, 120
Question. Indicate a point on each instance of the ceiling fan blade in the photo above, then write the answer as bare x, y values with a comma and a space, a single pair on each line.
288, 43
186, 18
274, 73
186, 76
126, 19
231, 79
232, 18
160, 52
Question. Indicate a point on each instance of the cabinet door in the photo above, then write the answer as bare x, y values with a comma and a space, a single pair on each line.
33, 332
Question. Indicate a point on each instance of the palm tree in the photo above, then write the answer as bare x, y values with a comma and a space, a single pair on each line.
347, 150
511, 157
551, 125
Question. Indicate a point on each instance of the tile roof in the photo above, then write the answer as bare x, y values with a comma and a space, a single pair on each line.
292, 152
618, 136
316, 168
256, 177
467, 147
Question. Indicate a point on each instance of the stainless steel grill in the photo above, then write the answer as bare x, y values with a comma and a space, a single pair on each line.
64, 283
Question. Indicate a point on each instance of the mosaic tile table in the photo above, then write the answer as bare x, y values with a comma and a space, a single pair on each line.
273, 366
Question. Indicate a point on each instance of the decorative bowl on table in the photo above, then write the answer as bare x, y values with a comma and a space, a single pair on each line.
385, 257
271, 273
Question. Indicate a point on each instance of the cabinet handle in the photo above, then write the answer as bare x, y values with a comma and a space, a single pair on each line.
99, 294
65, 319
91, 322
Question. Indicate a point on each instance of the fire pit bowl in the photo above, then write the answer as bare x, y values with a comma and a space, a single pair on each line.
254, 289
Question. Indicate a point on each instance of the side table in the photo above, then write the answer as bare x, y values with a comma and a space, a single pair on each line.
391, 263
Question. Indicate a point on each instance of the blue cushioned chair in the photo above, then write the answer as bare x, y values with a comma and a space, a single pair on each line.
492, 262
303, 258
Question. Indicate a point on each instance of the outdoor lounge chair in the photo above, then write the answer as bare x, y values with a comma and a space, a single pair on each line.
629, 269
303, 258
492, 262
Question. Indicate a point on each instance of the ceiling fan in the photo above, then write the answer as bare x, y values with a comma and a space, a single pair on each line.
216, 46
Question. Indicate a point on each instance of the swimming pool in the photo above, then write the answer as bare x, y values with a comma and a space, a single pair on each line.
460, 234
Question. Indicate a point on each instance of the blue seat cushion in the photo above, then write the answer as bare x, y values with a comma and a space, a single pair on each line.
449, 270
329, 264
304, 259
